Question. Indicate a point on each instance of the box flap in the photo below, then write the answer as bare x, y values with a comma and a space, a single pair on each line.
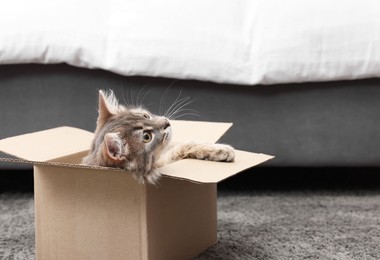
212, 172
48, 144
59, 142
198, 131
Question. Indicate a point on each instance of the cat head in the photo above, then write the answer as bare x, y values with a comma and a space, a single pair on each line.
130, 138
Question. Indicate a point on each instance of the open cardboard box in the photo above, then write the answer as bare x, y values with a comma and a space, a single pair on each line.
102, 213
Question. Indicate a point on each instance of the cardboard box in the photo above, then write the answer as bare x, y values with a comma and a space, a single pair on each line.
87, 212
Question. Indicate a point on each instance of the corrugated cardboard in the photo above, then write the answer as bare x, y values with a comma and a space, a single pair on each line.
87, 212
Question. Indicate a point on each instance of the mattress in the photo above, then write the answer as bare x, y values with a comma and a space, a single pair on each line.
245, 42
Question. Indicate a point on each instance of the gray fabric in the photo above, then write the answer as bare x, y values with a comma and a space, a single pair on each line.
251, 225
16, 226
311, 124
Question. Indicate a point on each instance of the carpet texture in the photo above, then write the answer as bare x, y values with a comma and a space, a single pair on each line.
16, 226
251, 225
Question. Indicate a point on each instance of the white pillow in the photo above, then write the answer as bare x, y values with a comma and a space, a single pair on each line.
241, 41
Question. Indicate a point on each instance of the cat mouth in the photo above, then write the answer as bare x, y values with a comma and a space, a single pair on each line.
166, 138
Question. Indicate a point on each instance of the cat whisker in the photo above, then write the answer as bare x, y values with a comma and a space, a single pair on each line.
128, 100
162, 101
138, 101
179, 111
163, 98
185, 114
143, 97
130, 97
180, 106
188, 111
184, 110
122, 95
133, 102
175, 101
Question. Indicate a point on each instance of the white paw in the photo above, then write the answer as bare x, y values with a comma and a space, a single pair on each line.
221, 153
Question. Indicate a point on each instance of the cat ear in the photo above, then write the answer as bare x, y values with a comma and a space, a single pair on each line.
104, 111
114, 148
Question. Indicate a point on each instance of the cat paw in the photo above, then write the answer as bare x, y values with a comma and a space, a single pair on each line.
151, 177
221, 153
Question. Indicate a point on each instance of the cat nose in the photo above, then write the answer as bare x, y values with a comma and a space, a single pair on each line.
167, 124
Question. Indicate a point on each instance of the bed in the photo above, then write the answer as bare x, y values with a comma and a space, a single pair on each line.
298, 79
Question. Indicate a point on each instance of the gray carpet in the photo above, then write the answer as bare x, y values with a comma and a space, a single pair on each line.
16, 226
252, 225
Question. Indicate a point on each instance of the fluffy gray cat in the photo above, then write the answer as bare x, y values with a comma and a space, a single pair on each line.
138, 141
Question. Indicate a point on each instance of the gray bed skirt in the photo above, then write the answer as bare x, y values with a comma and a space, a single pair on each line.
322, 124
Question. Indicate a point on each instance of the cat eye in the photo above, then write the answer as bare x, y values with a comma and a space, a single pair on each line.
147, 137
146, 116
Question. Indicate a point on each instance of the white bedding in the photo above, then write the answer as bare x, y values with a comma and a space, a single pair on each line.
239, 41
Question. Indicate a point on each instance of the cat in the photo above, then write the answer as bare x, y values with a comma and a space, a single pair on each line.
134, 139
